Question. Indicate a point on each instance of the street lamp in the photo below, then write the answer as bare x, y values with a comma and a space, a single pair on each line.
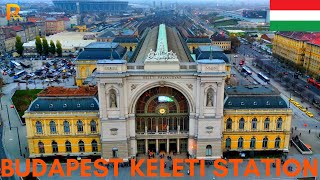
18, 139
8, 117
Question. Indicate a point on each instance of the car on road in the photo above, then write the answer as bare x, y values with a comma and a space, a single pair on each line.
302, 109
295, 103
308, 113
235, 56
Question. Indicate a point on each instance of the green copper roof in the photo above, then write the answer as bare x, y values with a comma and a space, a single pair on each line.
162, 39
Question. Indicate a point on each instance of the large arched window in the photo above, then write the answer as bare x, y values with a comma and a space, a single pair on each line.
266, 124
209, 150
241, 124
80, 126
94, 145
81, 146
228, 143
254, 124
277, 142
53, 128
41, 147
240, 142
66, 127
229, 124
279, 123
253, 143
93, 126
54, 145
39, 127
68, 146
161, 109
265, 142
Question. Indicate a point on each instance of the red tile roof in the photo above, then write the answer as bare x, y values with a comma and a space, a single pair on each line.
63, 92
311, 37
17, 28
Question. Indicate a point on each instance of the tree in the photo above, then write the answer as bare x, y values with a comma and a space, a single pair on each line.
19, 45
38, 45
52, 48
59, 48
45, 46
235, 43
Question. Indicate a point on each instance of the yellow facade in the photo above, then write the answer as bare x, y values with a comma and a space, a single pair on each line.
41, 132
84, 69
193, 46
278, 127
225, 45
290, 49
312, 59
81, 28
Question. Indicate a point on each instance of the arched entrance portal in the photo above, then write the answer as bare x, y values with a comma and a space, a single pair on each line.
162, 121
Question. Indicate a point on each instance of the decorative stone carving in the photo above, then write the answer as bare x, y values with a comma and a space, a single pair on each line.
210, 98
209, 129
162, 83
121, 85
133, 86
114, 131
113, 99
161, 54
190, 86
202, 84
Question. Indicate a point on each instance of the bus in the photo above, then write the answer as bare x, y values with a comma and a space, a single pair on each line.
263, 77
246, 70
15, 64
19, 74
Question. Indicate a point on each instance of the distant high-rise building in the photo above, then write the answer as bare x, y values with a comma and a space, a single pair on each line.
80, 6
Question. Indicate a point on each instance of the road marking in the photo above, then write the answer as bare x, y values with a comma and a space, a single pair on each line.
10, 139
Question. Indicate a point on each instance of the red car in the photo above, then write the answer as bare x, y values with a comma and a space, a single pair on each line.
241, 62
311, 81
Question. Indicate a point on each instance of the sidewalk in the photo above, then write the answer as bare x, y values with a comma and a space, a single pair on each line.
10, 137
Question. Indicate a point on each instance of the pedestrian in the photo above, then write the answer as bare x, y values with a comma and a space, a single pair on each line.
309, 131
300, 134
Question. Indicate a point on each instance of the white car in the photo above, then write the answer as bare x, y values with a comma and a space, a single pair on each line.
235, 56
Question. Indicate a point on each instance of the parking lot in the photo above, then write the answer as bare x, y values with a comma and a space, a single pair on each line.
30, 71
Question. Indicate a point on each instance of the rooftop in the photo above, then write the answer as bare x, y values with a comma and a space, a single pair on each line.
251, 90
210, 48
102, 45
218, 37
253, 97
311, 37
68, 40
67, 92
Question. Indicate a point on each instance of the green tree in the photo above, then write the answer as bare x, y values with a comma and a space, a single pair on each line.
235, 43
59, 48
45, 46
19, 45
39, 45
52, 48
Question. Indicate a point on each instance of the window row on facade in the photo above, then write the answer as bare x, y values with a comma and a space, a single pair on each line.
66, 127
68, 147
254, 124
253, 143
